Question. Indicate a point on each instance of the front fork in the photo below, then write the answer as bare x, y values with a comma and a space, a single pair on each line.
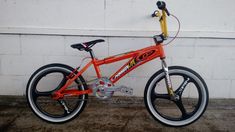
167, 79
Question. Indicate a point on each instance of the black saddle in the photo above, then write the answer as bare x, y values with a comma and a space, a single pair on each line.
86, 45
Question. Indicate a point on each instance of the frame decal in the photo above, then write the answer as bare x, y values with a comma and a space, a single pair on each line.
131, 64
145, 55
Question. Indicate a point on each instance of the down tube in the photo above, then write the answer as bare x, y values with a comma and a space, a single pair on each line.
143, 56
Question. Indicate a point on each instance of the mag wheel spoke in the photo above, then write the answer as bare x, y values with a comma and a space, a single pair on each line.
38, 94
182, 86
162, 96
182, 109
157, 95
64, 106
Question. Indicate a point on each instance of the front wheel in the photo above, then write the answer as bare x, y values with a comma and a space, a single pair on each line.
191, 97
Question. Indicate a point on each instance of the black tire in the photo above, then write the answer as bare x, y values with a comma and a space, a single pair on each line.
37, 98
177, 115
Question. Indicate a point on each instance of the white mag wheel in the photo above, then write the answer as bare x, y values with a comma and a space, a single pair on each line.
192, 97
39, 91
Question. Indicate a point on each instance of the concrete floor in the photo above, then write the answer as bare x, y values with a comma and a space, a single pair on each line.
123, 114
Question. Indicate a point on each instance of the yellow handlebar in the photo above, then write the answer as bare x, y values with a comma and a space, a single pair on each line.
163, 24
162, 19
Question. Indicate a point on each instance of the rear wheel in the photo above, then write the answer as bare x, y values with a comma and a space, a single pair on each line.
190, 90
39, 92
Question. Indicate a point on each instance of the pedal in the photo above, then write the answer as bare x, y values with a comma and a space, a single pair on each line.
126, 90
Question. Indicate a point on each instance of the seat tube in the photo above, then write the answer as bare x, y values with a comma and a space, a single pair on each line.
167, 79
97, 68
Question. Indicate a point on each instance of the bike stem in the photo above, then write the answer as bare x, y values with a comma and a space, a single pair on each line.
167, 79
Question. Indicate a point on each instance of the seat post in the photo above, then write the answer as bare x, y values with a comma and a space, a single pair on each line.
91, 53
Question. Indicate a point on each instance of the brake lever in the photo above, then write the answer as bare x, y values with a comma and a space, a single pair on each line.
155, 14
167, 12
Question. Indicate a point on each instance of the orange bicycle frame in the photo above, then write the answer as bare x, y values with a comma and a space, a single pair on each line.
136, 58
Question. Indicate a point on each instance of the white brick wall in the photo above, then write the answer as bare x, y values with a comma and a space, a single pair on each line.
11, 85
20, 64
0, 65
21, 55
126, 25
10, 44
219, 88
118, 45
232, 89
224, 68
204, 66
101, 50
40, 16
42, 45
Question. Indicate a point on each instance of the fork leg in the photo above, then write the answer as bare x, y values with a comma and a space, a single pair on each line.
167, 79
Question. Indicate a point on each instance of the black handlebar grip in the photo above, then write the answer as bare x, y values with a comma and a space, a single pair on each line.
162, 6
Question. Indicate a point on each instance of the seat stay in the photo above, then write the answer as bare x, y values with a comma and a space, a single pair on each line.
71, 80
